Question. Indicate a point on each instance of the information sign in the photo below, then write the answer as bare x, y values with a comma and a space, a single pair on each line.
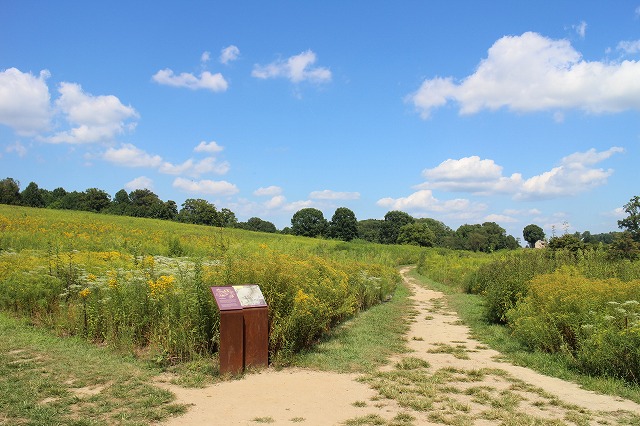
226, 298
250, 296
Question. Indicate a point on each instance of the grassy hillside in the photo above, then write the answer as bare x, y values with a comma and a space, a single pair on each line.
143, 285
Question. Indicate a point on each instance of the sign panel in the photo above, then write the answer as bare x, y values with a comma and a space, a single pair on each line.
250, 296
226, 298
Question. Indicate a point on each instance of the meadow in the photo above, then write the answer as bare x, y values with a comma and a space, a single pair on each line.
143, 285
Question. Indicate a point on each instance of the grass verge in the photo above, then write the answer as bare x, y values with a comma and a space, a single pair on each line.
366, 341
45, 380
471, 310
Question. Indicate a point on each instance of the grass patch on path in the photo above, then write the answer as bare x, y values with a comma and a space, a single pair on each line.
365, 342
46, 380
470, 308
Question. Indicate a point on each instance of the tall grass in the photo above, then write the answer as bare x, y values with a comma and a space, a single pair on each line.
143, 285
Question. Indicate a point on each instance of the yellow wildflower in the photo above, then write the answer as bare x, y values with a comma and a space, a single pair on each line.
84, 293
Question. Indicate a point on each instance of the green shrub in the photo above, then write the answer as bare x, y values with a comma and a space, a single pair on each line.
595, 322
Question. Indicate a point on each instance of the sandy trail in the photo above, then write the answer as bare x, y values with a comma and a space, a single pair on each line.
437, 336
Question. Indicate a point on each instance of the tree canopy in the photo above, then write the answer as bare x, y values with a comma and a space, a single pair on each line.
532, 233
308, 222
343, 224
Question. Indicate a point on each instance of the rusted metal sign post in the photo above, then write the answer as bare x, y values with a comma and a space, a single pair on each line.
256, 325
244, 328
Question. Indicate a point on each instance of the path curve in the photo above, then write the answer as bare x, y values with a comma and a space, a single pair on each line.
437, 336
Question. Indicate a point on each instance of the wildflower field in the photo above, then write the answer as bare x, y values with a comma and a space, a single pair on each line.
583, 306
143, 285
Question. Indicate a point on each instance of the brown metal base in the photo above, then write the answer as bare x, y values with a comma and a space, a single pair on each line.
231, 351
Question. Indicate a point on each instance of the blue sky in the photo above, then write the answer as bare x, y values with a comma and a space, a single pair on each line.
462, 111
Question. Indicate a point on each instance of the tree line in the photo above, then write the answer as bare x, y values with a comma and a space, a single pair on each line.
396, 228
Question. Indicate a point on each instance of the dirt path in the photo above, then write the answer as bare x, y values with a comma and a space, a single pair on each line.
448, 378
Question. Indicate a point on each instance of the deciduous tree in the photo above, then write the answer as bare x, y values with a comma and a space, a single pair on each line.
308, 222
532, 233
343, 225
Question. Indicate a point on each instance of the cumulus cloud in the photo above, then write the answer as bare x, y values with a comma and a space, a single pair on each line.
470, 174
205, 57
208, 81
211, 147
25, 101
275, 202
229, 54
25, 106
531, 72
130, 156
423, 202
195, 168
500, 218
268, 191
92, 118
141, 182
334, 195
296, 69
205, 186
576, 173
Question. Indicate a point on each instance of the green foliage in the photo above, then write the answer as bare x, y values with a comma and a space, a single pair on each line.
418, 234
393, 221
631, 223
566, 242
32, 196
595, 322
532, 233
308, 222
624, 247
9, 191
343, 225
505, 281
369, 230
258, 225
107, 279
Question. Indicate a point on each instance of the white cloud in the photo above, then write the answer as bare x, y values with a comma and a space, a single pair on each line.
195, 168
637, 12
229, 54
213, 82
93, 118
500, 218
297, 68
334, 195
629, 47
25, 101
572, 176
141, 182
575, 174
130, 156
581, 29
17, 148
205, 57
424, 201
516, 212
205, 186
297, 205
533, 73
470, 174
268, 191
211, 147
275, 202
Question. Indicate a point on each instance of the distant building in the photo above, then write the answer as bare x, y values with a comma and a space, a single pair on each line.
540, 244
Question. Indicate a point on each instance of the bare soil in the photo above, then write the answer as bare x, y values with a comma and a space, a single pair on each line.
480, 389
